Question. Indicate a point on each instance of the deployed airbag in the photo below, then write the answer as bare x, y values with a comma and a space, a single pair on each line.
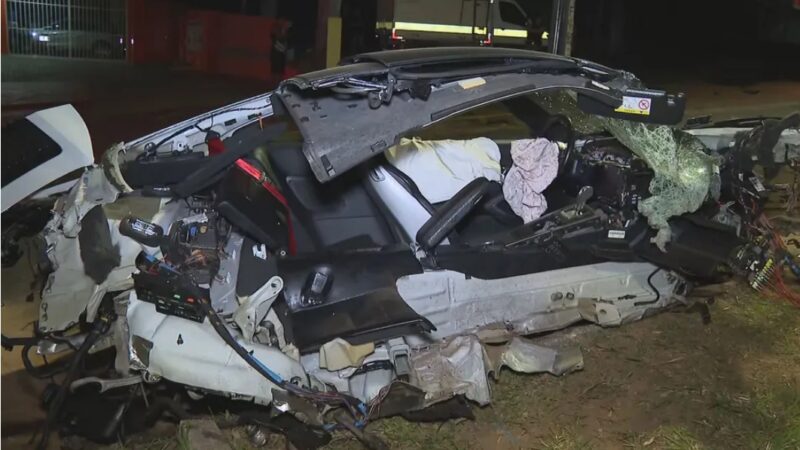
442, 168
535, 167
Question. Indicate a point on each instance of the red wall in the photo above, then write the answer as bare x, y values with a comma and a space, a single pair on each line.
230, 44
4, 31
153, 31
244, 46
208, 41
199, 40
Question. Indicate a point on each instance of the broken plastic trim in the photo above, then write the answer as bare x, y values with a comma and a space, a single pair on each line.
357, 408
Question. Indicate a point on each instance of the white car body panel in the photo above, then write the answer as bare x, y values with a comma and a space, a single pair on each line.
65, 126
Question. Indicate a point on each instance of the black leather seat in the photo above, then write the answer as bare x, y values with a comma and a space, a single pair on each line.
337, 214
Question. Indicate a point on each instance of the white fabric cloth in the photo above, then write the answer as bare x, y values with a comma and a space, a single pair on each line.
441, 168
535, 167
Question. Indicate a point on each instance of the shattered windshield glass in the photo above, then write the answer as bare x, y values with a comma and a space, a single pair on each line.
684, 174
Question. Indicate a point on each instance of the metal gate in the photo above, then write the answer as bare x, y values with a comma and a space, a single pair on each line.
68, 28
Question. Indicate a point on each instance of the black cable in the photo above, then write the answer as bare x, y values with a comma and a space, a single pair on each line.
9, 343
197, 125
100, 327
353, 404
49, 370
650, 283
225, 334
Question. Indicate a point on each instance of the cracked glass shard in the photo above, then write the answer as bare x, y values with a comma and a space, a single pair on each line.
684, 174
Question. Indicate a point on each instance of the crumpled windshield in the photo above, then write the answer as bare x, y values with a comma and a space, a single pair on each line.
684, 174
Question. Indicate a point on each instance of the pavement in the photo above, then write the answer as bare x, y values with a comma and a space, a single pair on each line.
118, 101
724, 101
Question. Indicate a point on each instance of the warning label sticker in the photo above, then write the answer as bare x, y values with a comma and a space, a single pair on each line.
635, 105
616, 234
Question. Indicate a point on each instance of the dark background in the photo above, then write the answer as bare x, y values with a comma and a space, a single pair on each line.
723, 40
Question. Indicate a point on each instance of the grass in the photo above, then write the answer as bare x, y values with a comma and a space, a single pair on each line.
664, 438
183, 437
564, 439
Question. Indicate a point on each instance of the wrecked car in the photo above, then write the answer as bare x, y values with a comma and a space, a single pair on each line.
309, 254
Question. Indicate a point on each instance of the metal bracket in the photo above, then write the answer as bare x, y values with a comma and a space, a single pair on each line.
254, 308
106, 384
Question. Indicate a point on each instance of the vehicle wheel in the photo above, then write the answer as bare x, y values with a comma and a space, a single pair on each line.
101, 49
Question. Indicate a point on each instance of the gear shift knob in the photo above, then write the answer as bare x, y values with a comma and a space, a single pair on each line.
584, 195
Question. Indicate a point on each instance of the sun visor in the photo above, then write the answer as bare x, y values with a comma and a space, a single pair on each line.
640, 105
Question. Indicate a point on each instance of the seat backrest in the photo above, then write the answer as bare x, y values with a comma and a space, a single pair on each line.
452, 213
407, 211
333, 213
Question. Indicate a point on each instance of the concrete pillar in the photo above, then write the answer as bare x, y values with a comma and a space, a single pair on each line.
333, 51
561, 25
569, 28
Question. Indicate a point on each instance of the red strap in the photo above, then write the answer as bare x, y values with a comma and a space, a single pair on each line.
251, 170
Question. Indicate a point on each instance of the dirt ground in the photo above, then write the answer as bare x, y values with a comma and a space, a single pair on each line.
667, 382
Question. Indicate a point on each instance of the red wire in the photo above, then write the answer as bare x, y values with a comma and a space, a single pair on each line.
780, 288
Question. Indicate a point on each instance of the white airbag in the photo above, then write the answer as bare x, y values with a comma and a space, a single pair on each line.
441, 168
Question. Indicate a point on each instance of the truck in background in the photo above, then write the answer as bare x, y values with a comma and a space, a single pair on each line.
418, 23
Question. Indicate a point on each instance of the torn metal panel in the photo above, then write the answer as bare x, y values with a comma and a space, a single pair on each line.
223, 286
522, 355
382, 366
69, 290
121, 335
461, 365
530, 303
787, 147
457, 366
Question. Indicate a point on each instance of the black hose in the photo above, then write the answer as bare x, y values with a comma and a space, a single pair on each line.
353, 404
49, 370
9, 343
225, 334
650, 283
100, 327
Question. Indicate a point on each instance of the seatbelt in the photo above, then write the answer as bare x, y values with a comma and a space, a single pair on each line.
204, 176
262, 179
